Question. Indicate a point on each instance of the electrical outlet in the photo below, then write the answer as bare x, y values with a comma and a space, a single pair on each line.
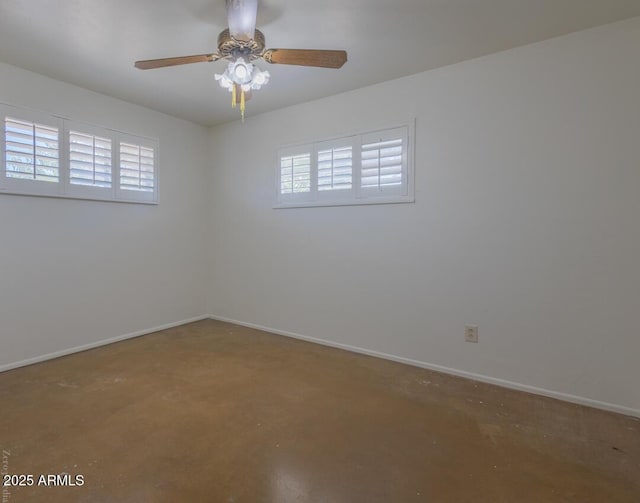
471, 333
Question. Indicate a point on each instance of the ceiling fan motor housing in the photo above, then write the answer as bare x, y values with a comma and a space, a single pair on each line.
231, 48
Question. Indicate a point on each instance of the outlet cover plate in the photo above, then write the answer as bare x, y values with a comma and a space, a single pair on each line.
471, 333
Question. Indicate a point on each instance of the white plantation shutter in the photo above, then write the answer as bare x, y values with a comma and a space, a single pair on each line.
335, 165
384, 162
46, 155
89, 160
32, 151
294, 173
137, 168
369, 168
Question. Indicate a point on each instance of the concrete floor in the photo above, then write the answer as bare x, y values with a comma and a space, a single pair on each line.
213, 412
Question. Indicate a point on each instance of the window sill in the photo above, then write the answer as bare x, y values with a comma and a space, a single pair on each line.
351, 202
106, 199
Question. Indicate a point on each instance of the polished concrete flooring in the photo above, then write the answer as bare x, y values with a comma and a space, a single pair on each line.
213, 412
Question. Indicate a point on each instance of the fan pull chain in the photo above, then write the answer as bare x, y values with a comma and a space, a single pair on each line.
233, 97
242, 104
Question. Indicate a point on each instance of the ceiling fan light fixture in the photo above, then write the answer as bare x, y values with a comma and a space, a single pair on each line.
240, 71
260, 78
224, 81
246, 75
243, 77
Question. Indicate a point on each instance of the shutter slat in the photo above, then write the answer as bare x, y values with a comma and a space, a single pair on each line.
12, 146
19, 168
82, 172
19, 137
382, 144
82, 157
91, 183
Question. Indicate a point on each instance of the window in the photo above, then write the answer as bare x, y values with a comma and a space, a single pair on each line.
295, 174
369, 168
89, 160
29, 152
383, 162
46, 155
32, 151
136, 167
137, 172
335, 166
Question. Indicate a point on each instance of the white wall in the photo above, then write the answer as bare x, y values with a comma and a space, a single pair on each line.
73, 272
526, 221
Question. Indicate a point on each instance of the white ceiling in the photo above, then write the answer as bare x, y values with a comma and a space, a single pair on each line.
93, 43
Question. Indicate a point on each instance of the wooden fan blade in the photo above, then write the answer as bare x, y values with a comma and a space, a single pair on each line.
306, 57
181, 60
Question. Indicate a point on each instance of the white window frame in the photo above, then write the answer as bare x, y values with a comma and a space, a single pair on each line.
358, 195
64, 188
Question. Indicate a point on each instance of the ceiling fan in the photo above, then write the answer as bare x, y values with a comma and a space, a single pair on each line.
241, 44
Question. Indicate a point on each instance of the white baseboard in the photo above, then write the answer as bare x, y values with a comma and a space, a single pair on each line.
104, 342
628, 411
416, 363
